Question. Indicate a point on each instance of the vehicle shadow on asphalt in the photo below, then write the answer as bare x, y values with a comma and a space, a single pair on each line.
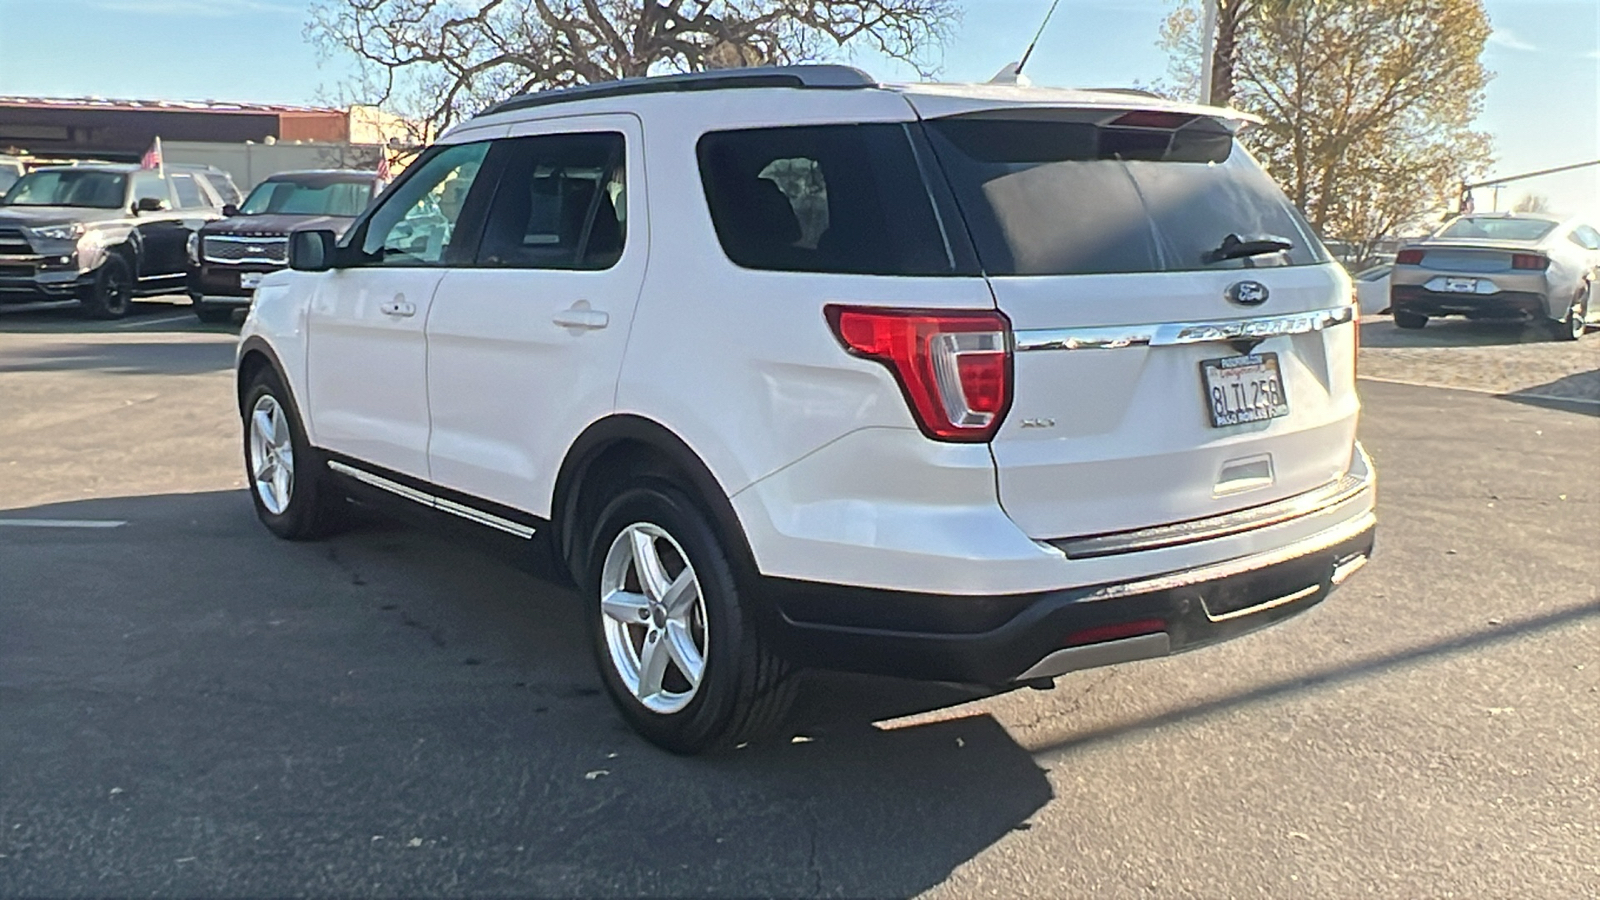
197, 708
66, 317
133, 358
1334, 677
1381, 332
1579, 393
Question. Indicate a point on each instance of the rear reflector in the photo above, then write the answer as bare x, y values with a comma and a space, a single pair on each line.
1408, 258
1529, 261
954, 367
1114, 632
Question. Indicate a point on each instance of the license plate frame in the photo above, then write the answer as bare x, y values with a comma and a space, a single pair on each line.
249, 281
1460, 285
1240, 390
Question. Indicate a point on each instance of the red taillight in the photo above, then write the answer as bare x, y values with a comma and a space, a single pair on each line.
1529, 261
1408, 258
1152, 118
954, 367
1116, 632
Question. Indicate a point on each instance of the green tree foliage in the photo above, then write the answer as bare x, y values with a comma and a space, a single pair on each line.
1368, 104
442, 60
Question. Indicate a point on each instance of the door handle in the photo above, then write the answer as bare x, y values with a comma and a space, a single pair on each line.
581, 316
399, 308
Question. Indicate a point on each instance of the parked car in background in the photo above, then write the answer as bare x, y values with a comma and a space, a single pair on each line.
788, 368
11, 169
227, 258
104, 234
1522, 266
1372, 289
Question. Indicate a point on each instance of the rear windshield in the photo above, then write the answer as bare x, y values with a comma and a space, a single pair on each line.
835, 198
319, 198
1152, 192
1498, 229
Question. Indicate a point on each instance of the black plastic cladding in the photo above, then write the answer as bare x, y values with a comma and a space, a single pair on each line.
823, 77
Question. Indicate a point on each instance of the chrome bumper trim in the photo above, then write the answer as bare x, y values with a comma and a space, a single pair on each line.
1093, 656
1175, 333
1227, 569
1319, 500
429, 500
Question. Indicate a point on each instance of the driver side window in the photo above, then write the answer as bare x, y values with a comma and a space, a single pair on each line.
415, 225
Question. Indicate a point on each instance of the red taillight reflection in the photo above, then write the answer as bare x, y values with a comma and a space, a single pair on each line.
1529, 261
953, 367
1114, 632
1408, 258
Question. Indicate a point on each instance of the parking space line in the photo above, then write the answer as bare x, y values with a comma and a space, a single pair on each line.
162, 321
62, 523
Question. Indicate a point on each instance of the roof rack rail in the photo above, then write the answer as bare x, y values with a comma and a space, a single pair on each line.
1137, 92
826, 77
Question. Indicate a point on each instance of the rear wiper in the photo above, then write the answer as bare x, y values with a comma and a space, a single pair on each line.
1235, 247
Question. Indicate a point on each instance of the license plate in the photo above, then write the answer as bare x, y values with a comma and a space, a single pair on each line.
248, 280
1241, 389
1461, 285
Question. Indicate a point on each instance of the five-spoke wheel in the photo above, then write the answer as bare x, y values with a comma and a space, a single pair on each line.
655, 618
271, 454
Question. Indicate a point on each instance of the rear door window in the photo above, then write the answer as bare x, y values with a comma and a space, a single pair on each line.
1045, 193
851, 199
561, 203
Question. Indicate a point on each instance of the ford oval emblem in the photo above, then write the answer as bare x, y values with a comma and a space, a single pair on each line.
1248, 293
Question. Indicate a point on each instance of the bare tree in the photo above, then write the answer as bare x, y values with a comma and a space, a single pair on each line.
443, 60
1531, 203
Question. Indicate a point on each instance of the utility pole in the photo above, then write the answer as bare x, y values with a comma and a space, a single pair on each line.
1208, 48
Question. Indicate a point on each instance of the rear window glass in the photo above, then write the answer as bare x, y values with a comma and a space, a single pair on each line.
1153, 192
1498, 229
835, 198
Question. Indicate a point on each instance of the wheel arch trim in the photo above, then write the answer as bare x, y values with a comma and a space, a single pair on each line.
604, 434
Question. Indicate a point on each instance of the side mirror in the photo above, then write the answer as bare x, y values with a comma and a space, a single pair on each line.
313, 250
229, 210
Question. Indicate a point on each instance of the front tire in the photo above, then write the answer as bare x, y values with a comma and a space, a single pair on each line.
110, 295
677, 648
284, 473
1409, 321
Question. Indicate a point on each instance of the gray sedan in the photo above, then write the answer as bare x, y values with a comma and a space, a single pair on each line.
1526, 267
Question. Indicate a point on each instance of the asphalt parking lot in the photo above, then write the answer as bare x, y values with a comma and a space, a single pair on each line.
192, 708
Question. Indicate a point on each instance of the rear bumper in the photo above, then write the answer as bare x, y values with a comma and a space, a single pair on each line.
1418, 300
1004, 639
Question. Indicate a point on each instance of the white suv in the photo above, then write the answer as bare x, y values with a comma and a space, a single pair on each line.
789, 368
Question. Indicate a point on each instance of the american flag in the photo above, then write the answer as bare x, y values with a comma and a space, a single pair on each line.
152, 157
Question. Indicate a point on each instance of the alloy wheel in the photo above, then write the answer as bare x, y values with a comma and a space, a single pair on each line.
654, 618
271, 455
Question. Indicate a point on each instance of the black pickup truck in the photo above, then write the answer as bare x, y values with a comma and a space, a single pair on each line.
227, 258
104, 234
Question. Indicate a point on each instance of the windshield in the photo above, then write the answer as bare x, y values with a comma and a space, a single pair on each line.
328, 198
1150, 192
69, 187
1496, 229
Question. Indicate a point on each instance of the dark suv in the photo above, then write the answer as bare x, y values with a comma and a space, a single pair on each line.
228, 258
104, 234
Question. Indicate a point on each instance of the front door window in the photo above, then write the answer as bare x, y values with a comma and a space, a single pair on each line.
414, 227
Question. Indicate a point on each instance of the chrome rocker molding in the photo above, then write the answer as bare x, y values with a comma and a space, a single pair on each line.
1115, 337
433, 502
1318, 500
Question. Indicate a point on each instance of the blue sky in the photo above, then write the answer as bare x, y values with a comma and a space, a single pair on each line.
1543, 107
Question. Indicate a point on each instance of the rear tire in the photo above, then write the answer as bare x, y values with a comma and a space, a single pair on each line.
1409, 321
110, 295
286, 476
676, 646
1572, 326
212, 314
